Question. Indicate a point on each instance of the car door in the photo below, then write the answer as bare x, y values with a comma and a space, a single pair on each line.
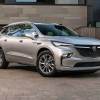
18, 47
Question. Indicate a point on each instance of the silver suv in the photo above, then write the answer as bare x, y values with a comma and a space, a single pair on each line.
49, 47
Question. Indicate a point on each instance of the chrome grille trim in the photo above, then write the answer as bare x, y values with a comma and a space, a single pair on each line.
88, 50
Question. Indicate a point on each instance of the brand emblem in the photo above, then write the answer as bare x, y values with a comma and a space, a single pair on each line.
94, 48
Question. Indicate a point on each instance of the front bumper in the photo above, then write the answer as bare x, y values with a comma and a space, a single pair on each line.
68, 64
79, 69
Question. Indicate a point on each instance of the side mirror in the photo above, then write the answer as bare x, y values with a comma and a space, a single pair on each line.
32, 36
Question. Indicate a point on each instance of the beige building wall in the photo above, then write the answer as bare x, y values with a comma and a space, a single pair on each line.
72, 16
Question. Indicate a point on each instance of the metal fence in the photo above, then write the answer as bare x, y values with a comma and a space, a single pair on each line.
89, 31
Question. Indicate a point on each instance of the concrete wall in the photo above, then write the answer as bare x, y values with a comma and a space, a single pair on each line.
72, 16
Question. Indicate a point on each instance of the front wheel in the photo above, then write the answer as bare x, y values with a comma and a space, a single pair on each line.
3, 62
46, 63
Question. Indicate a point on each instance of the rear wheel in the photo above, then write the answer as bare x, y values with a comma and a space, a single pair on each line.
3, 62
46, 63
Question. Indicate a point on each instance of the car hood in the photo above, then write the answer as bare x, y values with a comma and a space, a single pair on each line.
76, 40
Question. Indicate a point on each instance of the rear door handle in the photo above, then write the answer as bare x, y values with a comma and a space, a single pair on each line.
21, 41
5, 40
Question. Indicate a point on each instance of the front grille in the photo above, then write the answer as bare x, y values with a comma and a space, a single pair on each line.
88, 50
87, 64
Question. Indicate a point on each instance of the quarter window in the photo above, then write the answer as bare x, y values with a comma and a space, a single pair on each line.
4, 31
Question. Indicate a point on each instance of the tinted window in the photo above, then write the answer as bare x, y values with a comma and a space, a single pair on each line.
55, 30
21, 33
4, 31
18, 33
20, 30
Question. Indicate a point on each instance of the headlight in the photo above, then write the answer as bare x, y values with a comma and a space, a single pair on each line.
57, 44
67, 53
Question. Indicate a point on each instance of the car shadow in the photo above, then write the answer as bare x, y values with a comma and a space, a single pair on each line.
77, 75
58, 74
22, 67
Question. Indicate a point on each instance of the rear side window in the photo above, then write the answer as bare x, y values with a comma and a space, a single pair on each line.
18, 29
23, 26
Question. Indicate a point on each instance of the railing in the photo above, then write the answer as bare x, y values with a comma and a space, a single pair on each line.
88, 31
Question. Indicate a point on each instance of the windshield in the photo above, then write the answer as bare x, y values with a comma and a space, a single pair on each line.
55, 30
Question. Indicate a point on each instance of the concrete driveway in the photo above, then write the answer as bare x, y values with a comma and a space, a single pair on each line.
24, 83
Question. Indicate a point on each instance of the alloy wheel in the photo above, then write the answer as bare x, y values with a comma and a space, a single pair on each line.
46, 63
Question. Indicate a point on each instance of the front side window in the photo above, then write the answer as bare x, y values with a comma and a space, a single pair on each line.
55, 30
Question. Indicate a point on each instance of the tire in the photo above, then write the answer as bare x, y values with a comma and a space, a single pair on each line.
46, 64
3, 63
